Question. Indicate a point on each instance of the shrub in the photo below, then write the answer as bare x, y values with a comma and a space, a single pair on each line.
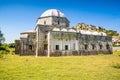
100, 54
2, 53
11, 45
116, 65
3, 50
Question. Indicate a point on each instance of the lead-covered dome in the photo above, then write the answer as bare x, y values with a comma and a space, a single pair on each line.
52, 12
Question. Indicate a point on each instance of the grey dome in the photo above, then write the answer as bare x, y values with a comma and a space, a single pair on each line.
52, 12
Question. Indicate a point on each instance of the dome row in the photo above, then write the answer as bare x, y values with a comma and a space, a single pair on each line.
81, 31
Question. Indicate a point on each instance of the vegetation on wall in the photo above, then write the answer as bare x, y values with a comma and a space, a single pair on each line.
112, 33
73, 36
65, 36
56, 36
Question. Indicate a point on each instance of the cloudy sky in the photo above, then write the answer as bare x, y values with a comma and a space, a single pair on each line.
18, 16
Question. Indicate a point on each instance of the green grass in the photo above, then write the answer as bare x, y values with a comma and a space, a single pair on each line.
14, 67
116, 52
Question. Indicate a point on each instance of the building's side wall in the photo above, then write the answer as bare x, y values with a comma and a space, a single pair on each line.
17, 47
28, 45
41, 41
23, 43
91, 44
31, 44
79, 44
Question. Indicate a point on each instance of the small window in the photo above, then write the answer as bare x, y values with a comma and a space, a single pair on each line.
107, 46
44, 22
100, 46
58, 22
93, 47
86, 46
30, 47
74, 46
45, 36
45, 47
34, 36
57, 47
66, 47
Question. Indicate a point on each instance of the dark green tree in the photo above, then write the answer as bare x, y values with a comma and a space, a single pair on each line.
11, 45
2, 39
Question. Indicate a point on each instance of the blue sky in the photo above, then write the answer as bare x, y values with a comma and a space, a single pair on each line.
18, 16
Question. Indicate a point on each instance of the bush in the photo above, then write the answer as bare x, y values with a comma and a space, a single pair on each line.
2, 53
116, 65
11, 45
3, 50
100, 54
114, 45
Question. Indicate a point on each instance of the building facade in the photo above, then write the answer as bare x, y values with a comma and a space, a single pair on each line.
53, 37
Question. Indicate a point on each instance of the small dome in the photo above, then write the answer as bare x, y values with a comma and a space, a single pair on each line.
82, 32
56, 29
52, 12
95, 33
64, 29
103, 34
88, 32
71, 30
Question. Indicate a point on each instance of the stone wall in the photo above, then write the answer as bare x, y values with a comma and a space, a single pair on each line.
53, 20
27, 45
17, 47
91, 44
41, 41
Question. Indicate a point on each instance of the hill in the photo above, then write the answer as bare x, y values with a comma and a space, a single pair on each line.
83, 26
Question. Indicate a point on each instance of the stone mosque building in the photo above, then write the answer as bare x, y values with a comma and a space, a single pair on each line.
52, 36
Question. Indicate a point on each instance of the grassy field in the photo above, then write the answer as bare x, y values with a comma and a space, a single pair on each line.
14, 67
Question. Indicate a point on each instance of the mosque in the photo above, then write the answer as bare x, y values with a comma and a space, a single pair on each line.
52, 36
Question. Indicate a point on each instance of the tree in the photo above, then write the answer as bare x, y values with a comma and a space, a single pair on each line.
112, 33
2, 39
11, 45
